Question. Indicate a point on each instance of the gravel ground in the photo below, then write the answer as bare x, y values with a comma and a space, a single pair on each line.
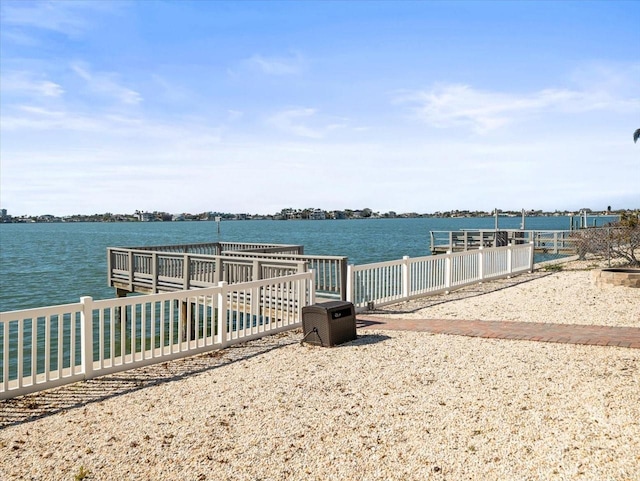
568, 296
388, 406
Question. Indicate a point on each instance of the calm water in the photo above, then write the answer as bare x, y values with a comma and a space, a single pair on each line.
48, 264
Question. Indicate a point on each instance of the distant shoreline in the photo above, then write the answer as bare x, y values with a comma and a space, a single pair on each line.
325, 215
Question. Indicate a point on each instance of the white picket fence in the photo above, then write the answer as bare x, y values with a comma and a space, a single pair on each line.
395, 281
46, 347
51, 346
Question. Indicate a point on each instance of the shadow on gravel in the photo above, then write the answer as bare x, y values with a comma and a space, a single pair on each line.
46, 403
38, 405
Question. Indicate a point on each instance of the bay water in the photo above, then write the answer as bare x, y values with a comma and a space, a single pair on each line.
43, 264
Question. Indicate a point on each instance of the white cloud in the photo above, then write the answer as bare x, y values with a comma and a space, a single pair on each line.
170, 90
455, 105
106, 84
618, 78
291, 65
305, 122
68, 18
290, 121
29, 117
24, 82
234, 115
58, 17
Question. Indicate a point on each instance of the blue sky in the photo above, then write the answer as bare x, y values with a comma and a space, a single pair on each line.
258, 106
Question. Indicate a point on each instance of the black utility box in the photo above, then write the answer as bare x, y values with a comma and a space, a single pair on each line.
329, 323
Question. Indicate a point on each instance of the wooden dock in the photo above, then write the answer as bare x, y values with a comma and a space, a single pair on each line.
545, 242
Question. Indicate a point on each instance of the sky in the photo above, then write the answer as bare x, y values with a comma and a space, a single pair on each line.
253, 107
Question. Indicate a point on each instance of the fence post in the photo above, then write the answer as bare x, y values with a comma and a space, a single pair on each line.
86, 336
481, 263
531, 253
222, 327
312, 288
350, 294
447, 271
406, 288
509, 260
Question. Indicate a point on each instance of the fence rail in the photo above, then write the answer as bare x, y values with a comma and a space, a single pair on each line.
217, 248
546, 241
51, 346
394, 281
149, 271
330, 271
139, 270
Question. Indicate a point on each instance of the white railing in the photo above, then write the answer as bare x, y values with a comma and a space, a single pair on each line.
217, 248
47, 347
552, 241
155, 271
330, 271
394, 281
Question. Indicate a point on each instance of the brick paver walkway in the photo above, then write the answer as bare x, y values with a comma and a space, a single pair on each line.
529, 331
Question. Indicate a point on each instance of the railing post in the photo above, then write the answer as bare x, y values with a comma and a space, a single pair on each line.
5, 358
154, 272
217, 274
109, 267
312, 289
406, 287
131, 272
256, 275
350, 277
186, 272
509, 260
481, 263
222, 327
344, 276
531, 254
447, 271
86, 337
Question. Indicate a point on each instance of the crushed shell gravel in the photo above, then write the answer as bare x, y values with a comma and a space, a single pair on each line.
387, 406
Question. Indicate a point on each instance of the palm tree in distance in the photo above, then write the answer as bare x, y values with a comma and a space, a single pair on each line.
636, 134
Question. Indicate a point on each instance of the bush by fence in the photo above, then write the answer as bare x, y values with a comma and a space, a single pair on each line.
620, 240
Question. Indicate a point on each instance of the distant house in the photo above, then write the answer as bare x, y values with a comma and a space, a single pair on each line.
318, 214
